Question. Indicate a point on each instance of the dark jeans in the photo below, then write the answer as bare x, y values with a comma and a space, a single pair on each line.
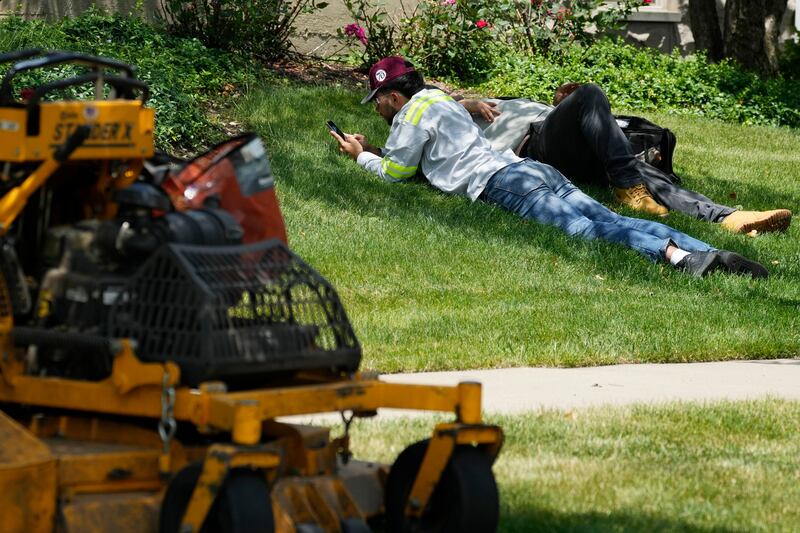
581, 138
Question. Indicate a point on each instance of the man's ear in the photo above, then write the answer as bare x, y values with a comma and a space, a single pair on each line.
397, 99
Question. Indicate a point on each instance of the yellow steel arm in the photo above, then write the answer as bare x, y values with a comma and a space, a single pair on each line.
219, 409
14, 200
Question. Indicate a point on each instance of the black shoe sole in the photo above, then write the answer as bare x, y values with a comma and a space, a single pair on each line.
737, 264
709, 264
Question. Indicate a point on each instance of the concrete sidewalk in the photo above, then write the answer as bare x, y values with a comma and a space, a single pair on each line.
520, 390
516, 390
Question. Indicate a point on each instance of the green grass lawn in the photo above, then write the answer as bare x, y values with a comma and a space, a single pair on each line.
679, 467
435, 282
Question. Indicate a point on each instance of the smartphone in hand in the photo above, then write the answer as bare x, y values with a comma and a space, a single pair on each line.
334, 128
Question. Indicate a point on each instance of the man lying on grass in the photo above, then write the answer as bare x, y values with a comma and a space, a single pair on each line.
433, 133
580, 137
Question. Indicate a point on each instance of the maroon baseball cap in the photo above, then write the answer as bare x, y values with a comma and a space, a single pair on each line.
385, 71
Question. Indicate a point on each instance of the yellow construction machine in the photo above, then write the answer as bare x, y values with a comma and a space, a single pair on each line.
155, 327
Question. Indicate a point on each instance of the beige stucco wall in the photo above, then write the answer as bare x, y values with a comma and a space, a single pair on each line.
317, 31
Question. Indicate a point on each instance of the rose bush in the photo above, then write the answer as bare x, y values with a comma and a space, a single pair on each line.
463, 39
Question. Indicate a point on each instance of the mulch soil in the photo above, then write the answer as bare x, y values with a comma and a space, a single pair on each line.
319, 72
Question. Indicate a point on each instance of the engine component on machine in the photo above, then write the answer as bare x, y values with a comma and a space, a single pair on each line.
237, 175
144, 223
91, 262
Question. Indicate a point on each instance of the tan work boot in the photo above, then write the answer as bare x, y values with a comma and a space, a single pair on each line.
760, 221
640, 199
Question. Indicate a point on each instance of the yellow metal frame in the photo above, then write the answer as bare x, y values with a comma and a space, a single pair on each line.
135, 389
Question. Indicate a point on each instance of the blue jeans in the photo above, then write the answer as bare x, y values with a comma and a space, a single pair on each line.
539, 192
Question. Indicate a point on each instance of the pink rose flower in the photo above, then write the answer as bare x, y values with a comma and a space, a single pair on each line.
354, 30
481, 24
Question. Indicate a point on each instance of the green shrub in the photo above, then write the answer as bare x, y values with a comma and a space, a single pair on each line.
185, 77
450, 39
645, 79
551, 26
259, 27
790, 60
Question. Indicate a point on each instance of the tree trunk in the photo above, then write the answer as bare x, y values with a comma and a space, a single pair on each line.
705, 28
751, 33
775, 11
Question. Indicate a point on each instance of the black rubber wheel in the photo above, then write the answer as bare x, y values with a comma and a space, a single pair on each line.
243, 504
465, 499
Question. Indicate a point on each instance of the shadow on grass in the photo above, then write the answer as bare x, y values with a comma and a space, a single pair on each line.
751, 196
545, 520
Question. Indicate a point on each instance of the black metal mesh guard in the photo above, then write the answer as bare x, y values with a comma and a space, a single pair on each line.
234, 311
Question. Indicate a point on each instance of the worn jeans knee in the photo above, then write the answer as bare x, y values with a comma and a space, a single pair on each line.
582, 227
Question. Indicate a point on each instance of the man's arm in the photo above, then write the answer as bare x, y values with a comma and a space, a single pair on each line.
476, 108
401, 156
362, 140
479, 108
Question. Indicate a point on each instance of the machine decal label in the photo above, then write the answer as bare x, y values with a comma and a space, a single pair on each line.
101, 131
9, 125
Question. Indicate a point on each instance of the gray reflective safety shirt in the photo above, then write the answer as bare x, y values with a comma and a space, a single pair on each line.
516, 116
436, 135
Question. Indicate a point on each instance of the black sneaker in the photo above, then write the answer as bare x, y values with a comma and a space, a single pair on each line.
737, 264
698, 264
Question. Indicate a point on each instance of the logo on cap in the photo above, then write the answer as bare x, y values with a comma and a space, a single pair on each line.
380, 75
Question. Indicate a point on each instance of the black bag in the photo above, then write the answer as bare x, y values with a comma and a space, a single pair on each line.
651, 143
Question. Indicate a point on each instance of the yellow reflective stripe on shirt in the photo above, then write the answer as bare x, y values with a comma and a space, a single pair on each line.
418, 114
397, 171
416, 103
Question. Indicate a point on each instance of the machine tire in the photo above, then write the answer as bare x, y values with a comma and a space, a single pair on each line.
465, 499
243, 504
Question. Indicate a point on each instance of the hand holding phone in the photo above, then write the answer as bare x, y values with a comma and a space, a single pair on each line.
334, 128
351, 145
